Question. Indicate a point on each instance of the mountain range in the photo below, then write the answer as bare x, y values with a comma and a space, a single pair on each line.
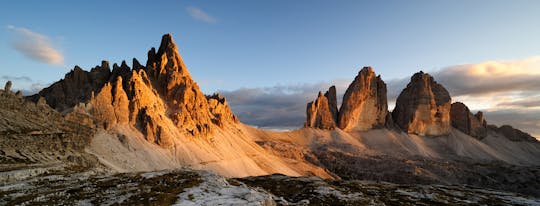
154, 117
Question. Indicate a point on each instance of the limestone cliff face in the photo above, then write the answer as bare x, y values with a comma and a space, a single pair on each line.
322, 113
465, 121
160, 100
364, 104
423, 107
220, 109
77, 86
187, 106
332, 102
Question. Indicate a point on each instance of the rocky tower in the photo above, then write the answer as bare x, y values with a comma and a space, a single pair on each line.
364, 104
465, 121
160, 100
187, 106
423, 107
323, 112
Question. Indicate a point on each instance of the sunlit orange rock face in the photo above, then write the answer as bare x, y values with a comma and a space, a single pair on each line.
423, 107
364, 104
187, 106
150, 98
322, 113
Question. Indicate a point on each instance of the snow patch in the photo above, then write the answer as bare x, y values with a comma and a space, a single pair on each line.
216, 190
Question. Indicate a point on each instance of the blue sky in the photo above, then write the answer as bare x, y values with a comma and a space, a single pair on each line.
256, 43
230, 45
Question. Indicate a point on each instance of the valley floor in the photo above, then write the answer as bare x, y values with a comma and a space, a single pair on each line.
190, 187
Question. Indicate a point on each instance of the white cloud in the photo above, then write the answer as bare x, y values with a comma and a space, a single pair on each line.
200, 15
492, 77
36, 46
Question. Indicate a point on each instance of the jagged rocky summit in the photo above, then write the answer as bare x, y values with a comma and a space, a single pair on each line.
364, 105
150, 98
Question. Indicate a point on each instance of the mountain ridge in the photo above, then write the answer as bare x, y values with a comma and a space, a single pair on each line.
154, 117
161, 105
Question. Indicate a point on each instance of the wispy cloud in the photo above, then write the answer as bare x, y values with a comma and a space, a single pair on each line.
200, 15
529, 102
16, 78
36, 46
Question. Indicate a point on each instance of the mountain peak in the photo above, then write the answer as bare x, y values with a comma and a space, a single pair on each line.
166, 64
322, 112
364, 103
423, 107
367, 69
167, 44
161, 99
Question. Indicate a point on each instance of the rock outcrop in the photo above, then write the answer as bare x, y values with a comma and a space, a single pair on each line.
463, 120
332, 102
160, 100
187, 106
220, 109
423, 107
364, 103
34, 135
77, 86
512, 133
7, 87
323, 112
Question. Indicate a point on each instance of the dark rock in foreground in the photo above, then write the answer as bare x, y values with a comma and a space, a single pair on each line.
316, 191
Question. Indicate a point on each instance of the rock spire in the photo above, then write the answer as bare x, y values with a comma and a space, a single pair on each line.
322, 113
364, 103
423, 107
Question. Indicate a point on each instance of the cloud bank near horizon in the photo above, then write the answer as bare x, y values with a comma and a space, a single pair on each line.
509, 92
36, 46
25, 84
